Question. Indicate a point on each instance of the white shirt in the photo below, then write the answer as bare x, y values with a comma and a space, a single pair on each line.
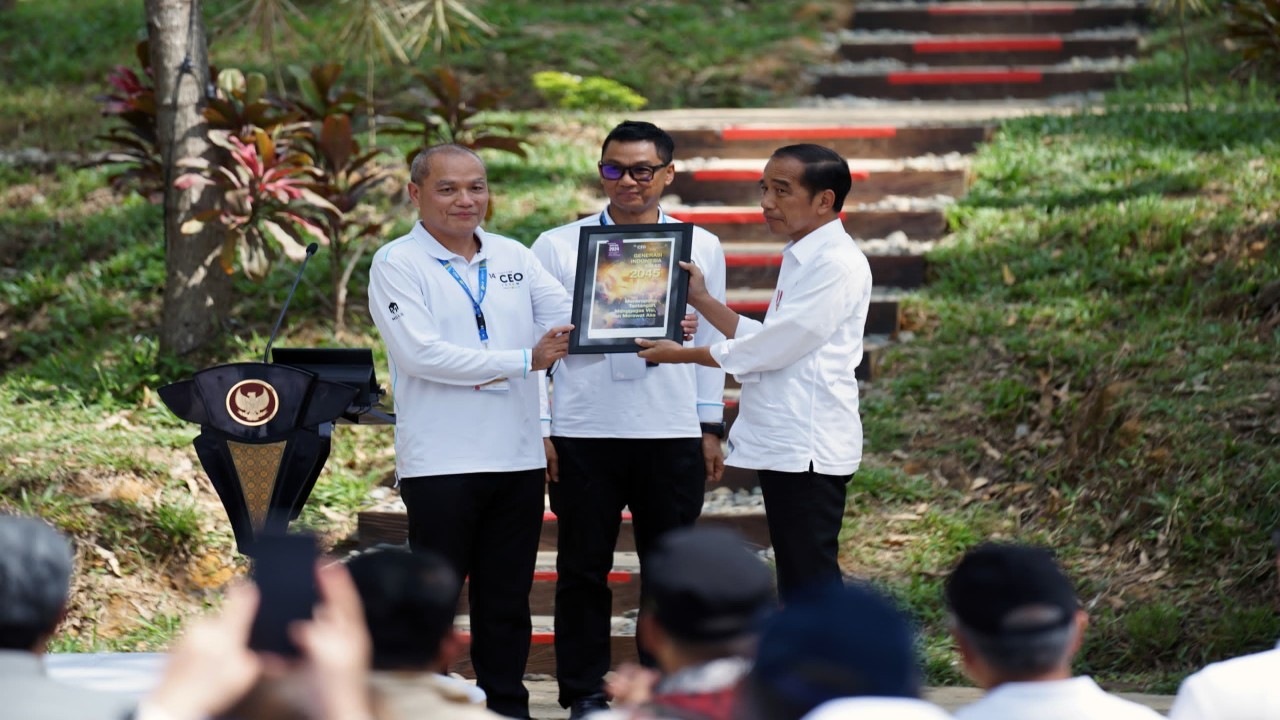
1078, 698
591, 400
877, 708
1243, 688
444, 424
799, 394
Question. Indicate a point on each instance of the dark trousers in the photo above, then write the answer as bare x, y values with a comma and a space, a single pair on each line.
662, 481
487, 525
804, 511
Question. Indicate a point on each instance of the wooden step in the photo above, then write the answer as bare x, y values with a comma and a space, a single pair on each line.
940, 51
995, 17
746, 222
624, 582
882, 317
970, 83
737, 182
868, 141
542, 650
756, 265
388, 524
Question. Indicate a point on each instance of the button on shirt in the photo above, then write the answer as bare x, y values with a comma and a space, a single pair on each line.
444, 424
799, 394
1073, 699
592, 401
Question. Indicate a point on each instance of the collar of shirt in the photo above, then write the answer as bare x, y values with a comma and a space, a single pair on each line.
807, 247
607, 219
438, 251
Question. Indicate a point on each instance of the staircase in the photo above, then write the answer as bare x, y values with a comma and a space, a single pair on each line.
908, 162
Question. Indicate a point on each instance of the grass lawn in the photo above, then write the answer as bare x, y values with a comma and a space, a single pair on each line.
1095, 361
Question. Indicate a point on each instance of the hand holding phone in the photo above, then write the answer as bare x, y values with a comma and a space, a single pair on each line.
284, 569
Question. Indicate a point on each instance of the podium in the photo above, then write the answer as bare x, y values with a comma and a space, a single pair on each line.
265, 428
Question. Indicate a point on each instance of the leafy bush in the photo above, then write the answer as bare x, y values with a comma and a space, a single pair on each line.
454, 116
135, 144
573, 92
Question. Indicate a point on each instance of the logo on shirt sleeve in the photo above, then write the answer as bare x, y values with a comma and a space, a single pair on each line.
394, 309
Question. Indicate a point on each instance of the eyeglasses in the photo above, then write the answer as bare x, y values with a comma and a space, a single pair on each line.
639, 173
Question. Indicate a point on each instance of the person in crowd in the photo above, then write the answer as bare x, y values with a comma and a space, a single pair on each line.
213, 673
1242, 688
798, 424
1018, 625
409, 603
461, 310
708, 597
36, 563
864, 708
829, 643
623, 433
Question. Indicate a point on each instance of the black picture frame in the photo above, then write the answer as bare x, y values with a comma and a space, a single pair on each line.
629, 285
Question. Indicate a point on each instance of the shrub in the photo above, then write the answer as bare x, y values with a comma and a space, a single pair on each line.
573, 92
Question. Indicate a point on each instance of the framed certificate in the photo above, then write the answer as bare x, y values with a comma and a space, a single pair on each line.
629, 285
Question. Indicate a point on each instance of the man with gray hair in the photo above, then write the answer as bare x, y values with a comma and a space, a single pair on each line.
469, 319
35, 581
1017, 623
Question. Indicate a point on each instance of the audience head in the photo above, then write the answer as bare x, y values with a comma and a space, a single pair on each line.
638, 131
1015, 615
35, 581
707, 594
835, 642
409, 603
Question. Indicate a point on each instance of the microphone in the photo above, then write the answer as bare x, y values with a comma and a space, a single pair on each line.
311, 250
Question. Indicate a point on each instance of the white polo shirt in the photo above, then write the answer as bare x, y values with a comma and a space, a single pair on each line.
616, 395
1243, 688
877, 708
444, 424
1073, 699
799, 394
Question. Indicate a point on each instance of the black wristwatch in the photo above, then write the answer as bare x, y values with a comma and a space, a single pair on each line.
716, 429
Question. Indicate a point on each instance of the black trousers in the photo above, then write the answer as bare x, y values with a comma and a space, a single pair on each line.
487, 525
804, 511
663, 482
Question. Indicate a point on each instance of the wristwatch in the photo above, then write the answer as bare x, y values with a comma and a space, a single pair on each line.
716, 429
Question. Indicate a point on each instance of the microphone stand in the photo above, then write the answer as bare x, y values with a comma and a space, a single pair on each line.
311, 250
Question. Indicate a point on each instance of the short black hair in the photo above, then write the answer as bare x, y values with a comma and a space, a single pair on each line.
824, 169
640, 131
36, 563
1018, 657
409, 603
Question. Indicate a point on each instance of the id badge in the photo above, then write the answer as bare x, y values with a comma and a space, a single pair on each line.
499, 385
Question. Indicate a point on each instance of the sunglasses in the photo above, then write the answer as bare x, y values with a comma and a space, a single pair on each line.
639, 173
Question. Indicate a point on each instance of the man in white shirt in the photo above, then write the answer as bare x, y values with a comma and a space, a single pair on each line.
623, 432
461, 311
798, 423
1018, 625
1242, 688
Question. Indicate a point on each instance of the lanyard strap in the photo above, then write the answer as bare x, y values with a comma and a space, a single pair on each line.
475, 304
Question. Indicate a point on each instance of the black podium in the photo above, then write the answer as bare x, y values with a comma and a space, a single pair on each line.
265, 428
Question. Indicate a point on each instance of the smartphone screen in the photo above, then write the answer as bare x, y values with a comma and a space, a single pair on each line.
284, 569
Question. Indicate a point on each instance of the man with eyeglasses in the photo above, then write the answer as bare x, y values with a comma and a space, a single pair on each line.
623, 432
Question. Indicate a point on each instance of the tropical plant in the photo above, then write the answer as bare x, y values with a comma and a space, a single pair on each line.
267, 19
1183, 8
1253, 26
320, 95
241, 106
453, 116
266, 199
135, 144
345, 177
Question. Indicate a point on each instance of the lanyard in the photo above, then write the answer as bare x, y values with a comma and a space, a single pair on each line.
475, 304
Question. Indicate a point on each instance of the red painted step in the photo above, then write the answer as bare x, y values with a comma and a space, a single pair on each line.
970, 50
870, 141
746, 224
737, 181
955, 18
